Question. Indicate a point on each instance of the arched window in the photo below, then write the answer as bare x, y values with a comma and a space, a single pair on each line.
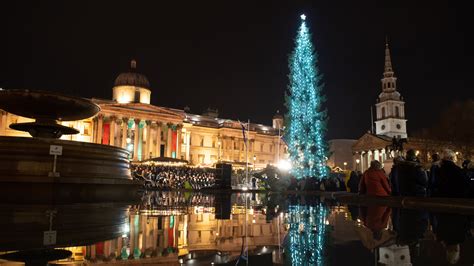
397, 111
383, 112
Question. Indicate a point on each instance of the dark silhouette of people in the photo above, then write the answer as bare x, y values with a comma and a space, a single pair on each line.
409, 178
353, 182
468, 171
433, 177
452, 182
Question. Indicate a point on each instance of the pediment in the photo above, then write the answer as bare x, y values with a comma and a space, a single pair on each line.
369, 142
143, 109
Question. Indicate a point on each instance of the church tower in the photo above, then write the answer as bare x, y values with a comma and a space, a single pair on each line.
390, 107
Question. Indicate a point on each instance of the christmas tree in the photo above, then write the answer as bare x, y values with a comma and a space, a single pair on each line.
306, 119
307, 234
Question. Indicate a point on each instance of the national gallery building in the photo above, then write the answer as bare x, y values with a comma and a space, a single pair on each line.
129, 121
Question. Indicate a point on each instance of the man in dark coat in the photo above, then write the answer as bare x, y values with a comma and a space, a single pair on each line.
412, 179
468, 171
353, 182
433, 178
452, 183
393, 176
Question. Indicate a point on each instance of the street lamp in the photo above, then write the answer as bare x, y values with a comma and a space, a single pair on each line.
345, 164
357, 164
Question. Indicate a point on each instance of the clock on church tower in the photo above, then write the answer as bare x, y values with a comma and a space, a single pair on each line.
390, 107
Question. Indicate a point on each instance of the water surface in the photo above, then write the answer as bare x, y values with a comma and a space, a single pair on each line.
187, 228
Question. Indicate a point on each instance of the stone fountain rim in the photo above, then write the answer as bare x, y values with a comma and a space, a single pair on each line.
82, 100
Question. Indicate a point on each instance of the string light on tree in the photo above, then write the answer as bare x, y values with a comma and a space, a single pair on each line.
306, 118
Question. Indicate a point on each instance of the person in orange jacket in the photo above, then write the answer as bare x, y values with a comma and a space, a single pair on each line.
374, 182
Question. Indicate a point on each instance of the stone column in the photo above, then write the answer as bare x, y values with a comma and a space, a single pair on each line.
124, 132
148, 147
158, 140
239, 146
168, 141
188, 144
376, 155
178, 141
140, 141
100, 122
94, 130
112, 131
135, 139
3, 121
232, 150
369, 159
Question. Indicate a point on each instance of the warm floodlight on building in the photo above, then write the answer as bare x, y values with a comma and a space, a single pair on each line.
284, 165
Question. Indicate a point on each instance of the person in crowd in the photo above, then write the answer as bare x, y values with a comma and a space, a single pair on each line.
452, 183
433, 177
393, 176
409, 178
342, 182
468, 171
293, 184
353, 183
374, 182
347, 176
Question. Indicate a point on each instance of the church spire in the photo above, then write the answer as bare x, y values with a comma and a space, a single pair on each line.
388, 61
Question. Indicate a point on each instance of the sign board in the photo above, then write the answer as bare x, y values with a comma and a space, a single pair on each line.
55, 150
49, 238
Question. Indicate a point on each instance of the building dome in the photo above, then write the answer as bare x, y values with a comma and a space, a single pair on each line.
132, 78
132, 87
278, 120
278, 115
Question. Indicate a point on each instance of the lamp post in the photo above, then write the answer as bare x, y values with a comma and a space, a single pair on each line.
345, 164
357, 164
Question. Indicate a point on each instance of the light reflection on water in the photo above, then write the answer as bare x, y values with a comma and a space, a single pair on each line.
172, 227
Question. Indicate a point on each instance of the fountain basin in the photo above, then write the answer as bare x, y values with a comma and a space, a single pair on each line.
25, 159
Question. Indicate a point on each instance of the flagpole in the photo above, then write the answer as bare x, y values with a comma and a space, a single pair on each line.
278, 152
247, 153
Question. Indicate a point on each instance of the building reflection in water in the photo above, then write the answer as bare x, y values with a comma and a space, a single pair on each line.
168, 224
182, 227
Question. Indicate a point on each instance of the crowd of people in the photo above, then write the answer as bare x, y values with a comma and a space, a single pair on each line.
174, 177
408, 178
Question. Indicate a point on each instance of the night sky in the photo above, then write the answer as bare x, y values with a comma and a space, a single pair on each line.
233, 55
